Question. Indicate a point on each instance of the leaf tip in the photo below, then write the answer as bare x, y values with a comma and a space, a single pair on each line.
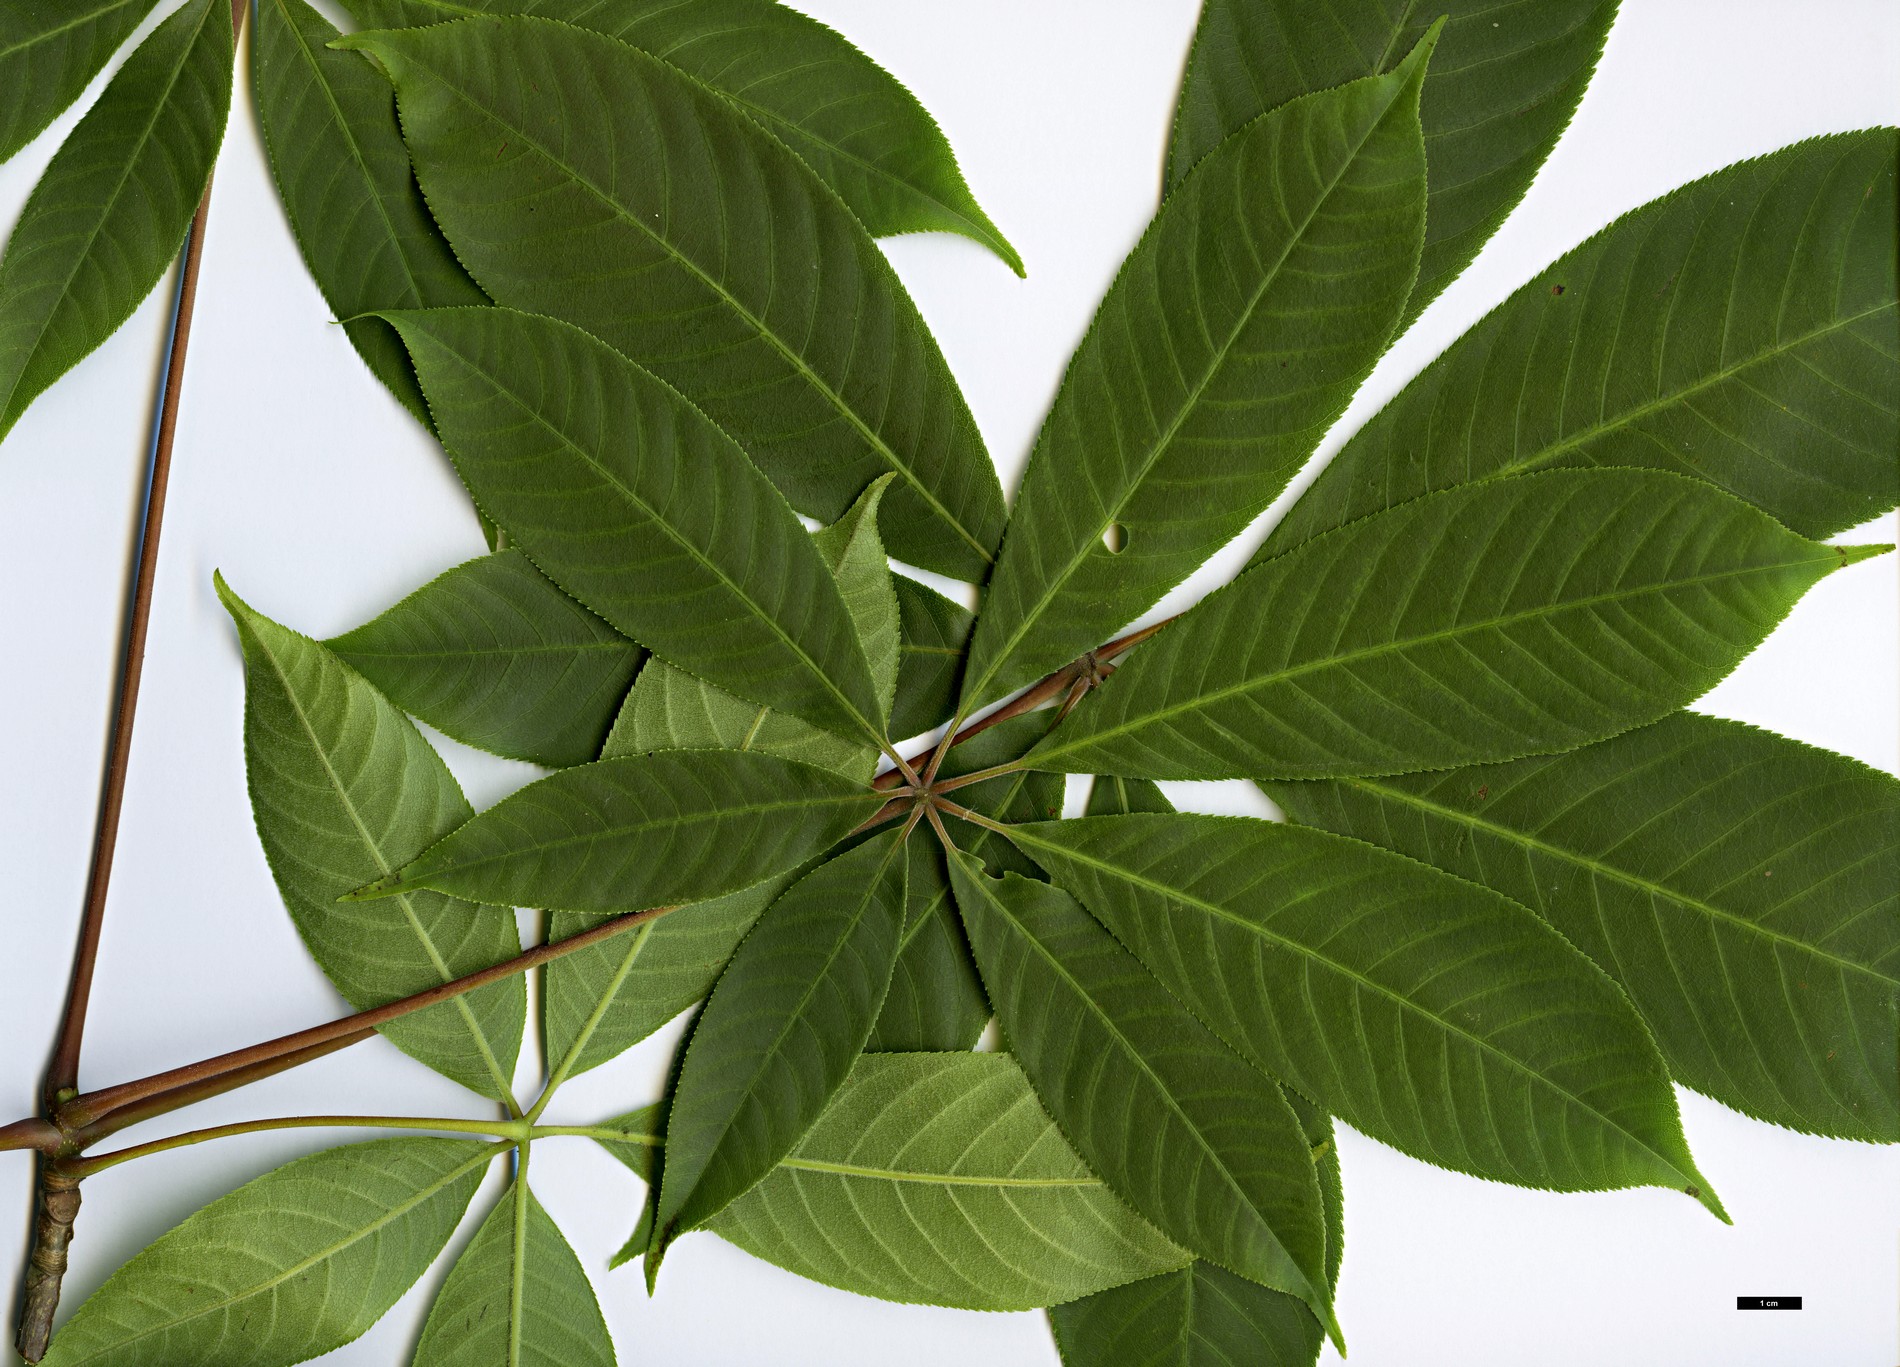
1853, 555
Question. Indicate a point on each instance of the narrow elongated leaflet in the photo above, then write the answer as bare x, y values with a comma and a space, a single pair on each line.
344, 788
343, 174
1503, 85
937, 1179
850, 120
587, 461
516, 1297
790, 1015
49, 54
1236, 332
522, 130
1428, 1012
934, 634
493, 654
1481, 623
288, 1267
1196, 1139
646, 831
1742, 330
106, 218
1743, 888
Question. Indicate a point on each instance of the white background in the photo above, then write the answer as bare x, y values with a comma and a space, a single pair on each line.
323, 503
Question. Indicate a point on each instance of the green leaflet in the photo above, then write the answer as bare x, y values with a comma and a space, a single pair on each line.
1198, 1316
1233, 337
493, 654
669, 709
343, 175
517, 1297
937, 1179
107, 217
1198, 1141
646, 831
1742, 330
587, 461
521, 130
1113, 796
1426, 1011
343, 789
1743, 888
779, 1034
645, 1125
934, 633
49, 55
1481, 623
1503, 85
850, 120
285, 1268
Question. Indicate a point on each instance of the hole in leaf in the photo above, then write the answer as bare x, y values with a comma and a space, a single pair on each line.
1115, 538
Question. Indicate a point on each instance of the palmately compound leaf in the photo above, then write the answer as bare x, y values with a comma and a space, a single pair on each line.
938, 1179
343, 175
522, 131
1743, 888
344, 789
1482, 623
1502, 88
851, 121
1233, 337
49, 55
1426, 1011
646, 831
517, 1297
286, 1268
107, 217
934, 634
495, 655
790, 1015
1741, 330
1201, 1143
626, 496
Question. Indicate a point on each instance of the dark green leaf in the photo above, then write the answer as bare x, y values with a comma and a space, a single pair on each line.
1742, 330
493, 654
1236, 332
1198, 1141
934, 634
1481, 623
1744, 889
49, 53
1502, 88
646, 831
1428, 1012
586, 460
1199, 1316
709, 266
790, 1015
938, 1179
517, 1297
849, 119
343, 174
106, 219
1112, 796
344, 789
286, 1268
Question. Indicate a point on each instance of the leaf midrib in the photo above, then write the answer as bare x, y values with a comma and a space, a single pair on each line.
930, 1178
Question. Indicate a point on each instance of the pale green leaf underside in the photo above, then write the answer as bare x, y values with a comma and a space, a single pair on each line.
106, 218
851, 121
1426, 1011
495, 655
49, 53
522, 130
630, 499
1744, 889
286, 1268
1741, 330
516, 1297
1502, 87
1234, 335
937, 1179
1481, 623
344, 789
1198, 1141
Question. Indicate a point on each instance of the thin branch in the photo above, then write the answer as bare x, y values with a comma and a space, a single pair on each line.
950, 785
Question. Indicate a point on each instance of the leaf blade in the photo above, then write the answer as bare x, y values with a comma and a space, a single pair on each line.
48, 57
